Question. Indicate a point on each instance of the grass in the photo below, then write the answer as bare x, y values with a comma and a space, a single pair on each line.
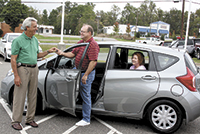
196, 60
47, 47
54, 38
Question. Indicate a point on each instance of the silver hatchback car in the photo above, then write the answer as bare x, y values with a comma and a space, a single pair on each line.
164, 94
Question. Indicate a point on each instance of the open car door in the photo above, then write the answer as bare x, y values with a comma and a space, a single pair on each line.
62, 82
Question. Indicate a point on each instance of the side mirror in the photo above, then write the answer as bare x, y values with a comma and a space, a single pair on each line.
3, 40
49, 65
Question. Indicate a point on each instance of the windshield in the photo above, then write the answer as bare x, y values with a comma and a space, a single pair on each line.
12, 37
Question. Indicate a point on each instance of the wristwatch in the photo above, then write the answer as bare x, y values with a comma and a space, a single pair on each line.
48, 51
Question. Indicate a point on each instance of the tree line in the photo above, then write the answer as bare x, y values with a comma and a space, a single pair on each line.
13, 12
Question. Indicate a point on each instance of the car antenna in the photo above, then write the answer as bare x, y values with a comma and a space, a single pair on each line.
188, 22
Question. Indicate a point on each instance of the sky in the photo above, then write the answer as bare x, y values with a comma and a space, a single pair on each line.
106, 5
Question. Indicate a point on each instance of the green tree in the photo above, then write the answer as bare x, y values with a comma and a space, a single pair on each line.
173, 17
33, 13
82, 14
137, 34
1, 32
68, 7
162, 37
45, 20
129, 14
14, 12
174, 35
116, 27
2, 4
53, 17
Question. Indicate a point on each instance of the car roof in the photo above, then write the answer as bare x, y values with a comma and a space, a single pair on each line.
14, 33
154, 48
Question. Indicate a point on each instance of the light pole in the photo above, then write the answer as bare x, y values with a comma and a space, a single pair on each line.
61, 44
183, 5
198, 30
98, 17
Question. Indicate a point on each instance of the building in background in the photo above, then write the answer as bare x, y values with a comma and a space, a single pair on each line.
44, 29
155, 29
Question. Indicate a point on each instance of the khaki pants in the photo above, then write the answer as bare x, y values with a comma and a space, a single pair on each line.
29, 79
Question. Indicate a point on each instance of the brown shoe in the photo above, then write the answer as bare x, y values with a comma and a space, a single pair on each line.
32, 123
17, 126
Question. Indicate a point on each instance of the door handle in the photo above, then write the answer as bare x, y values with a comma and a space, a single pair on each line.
149, 77
68, 78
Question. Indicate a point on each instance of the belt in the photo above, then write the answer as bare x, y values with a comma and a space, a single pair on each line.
27, 65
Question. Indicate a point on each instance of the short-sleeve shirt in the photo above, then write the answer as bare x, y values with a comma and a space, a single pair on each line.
26, 48
141, 67
91, 54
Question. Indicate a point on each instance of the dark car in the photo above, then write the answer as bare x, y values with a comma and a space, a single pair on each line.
181, 44
197, 48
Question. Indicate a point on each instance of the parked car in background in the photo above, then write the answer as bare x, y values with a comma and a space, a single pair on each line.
166, 43
180, 44
151, 41
197, 47
5, 45
165, 94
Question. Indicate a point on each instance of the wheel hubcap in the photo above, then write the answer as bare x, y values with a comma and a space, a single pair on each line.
164, 117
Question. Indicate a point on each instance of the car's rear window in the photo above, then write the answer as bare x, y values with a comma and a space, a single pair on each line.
164, 61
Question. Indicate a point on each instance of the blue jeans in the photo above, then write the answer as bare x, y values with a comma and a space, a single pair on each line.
85, 91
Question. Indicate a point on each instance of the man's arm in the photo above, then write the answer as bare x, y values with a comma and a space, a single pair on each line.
43, 54
17, 79
68, 54
91, 66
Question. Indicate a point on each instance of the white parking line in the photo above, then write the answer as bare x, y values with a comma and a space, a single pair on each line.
40, 121
109, 126
6, 108
70, 130
23, 131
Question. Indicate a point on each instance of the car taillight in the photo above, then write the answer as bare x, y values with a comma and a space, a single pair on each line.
188, 80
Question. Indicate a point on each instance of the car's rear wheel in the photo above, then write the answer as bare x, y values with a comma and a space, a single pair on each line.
164, 116
198, 55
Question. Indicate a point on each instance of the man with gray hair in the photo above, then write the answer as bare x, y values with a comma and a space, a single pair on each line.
24, 54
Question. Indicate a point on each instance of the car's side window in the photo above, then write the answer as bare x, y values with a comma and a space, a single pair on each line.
164, 61
5, 37
123, 58
103, 54
66, 63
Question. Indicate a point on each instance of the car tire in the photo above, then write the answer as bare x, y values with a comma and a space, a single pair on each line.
198, 55
38, 105
164, 116
5, 56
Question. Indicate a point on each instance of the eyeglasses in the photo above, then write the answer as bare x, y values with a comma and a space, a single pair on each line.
82, 31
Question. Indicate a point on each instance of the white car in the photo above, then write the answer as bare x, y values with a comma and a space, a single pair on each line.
151, 41
5, 45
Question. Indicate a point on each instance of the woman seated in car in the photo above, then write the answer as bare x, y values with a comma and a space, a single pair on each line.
138, 61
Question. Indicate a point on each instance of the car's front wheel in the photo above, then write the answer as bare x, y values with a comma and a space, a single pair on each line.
38, 105
164, 116
5, 56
